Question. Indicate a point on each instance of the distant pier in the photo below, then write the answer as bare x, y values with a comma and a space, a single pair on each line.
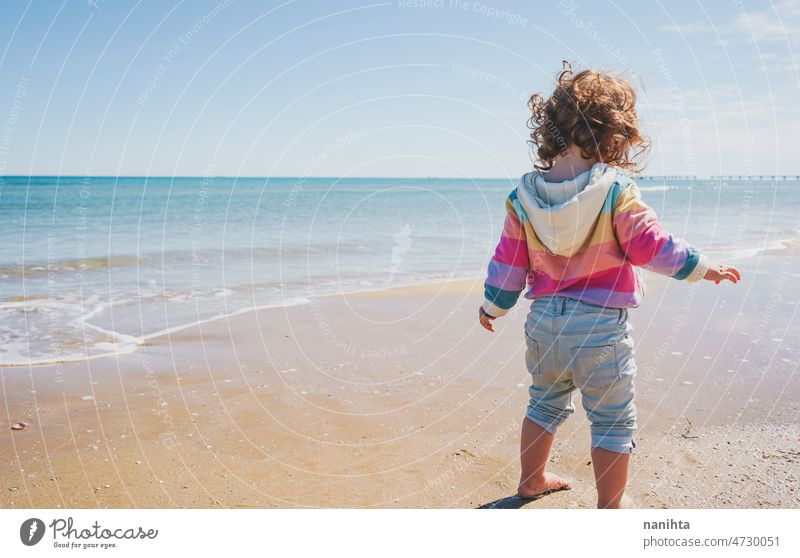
690, 177
756, 177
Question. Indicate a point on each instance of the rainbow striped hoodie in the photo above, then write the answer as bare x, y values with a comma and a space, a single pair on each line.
583, 239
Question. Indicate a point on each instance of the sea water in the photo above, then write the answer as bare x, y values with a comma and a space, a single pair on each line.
94, 266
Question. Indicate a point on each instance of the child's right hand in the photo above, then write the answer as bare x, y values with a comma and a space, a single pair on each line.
718, 273
485, 319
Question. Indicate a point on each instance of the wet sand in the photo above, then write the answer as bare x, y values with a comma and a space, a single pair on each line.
398, 398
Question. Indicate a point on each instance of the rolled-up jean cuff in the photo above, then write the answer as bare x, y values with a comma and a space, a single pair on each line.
548, 425
618, 443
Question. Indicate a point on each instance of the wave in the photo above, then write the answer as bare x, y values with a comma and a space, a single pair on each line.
44, 339
188, 256
82, 264
41, 331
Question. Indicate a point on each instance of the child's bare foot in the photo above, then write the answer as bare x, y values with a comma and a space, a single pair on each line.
533, 489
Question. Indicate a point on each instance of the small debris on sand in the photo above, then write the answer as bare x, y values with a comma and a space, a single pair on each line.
687, 432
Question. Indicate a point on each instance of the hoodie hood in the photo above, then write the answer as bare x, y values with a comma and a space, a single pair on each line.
564, 214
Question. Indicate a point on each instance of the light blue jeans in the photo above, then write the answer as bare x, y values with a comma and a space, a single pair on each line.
573, 344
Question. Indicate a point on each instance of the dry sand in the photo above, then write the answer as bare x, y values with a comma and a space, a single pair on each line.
398, 398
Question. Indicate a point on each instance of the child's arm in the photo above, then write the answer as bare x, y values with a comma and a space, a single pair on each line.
508, 270
645, 243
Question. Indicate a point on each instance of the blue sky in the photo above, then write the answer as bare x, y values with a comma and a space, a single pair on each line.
400, 88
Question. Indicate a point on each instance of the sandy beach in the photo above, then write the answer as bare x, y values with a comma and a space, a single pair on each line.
397, 398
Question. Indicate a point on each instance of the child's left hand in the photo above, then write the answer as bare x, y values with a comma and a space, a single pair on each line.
486, 319
718, 273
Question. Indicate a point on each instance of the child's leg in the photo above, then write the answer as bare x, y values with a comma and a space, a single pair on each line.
606, 384
550, 402
535, 447
611, 475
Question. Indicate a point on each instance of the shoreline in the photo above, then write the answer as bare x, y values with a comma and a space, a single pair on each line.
140, 341
787, 246
129, 343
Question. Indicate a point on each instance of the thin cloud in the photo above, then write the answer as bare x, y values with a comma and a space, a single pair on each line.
771, 27
773, 24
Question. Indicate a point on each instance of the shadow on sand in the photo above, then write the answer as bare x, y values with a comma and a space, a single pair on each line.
508, 503
516, 501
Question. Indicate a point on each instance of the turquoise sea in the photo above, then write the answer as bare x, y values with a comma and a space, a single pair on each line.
93, 266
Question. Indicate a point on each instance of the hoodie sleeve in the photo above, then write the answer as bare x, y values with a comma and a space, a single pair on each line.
508, 269
645, 243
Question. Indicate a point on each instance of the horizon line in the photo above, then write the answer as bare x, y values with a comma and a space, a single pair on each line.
645, 176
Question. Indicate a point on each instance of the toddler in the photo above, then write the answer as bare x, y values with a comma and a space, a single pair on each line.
576, 231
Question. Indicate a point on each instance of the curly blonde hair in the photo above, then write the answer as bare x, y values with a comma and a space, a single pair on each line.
591, 110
